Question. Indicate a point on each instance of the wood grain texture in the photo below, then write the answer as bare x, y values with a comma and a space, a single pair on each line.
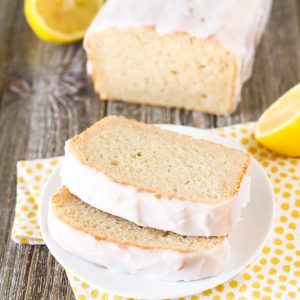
46, 97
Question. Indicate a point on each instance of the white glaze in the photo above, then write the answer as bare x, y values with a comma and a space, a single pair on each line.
157, 263
236, 24
144, 209
198, 18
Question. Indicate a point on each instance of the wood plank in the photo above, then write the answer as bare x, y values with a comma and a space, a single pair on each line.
156, 115
7, 12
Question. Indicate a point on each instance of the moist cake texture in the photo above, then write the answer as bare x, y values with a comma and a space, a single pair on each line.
161, 162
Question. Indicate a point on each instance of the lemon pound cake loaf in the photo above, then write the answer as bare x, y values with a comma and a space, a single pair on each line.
125, 247
157, 178
192, 54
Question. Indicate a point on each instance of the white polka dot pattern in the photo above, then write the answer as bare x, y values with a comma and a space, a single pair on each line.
275, 274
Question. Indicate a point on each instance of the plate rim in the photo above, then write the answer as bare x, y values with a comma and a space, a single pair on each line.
171, 127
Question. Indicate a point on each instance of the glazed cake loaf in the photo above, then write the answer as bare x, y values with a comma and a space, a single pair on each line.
157, 178
124, 247
193, 54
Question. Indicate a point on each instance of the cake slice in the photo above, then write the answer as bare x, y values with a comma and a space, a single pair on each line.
157, 178
176, 53
125, 247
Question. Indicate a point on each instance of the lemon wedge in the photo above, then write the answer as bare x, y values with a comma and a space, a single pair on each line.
60, 21
279, 127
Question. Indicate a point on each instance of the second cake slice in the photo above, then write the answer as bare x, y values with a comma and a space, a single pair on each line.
157, 178
124, 247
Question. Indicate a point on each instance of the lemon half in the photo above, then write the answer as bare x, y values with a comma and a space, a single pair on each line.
279, 127
61, 21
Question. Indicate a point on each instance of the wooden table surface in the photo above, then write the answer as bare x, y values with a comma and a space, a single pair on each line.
46, 97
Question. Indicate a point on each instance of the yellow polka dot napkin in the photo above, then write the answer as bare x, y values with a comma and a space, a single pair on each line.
31, 176
274, 274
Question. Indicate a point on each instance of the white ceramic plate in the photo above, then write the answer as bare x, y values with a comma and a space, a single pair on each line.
246, 239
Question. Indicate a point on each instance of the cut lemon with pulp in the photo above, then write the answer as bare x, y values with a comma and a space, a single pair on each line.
279, 127
60, 21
